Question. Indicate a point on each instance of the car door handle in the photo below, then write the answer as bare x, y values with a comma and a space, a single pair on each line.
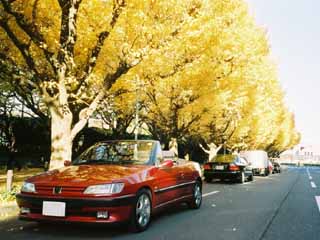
182, 175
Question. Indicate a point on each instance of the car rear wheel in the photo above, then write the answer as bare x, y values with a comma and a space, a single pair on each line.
242, 177
196, 200
141, 211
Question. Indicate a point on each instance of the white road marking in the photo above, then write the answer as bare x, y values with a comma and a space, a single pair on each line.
246, 183
309, 174
210, 193
318, 201
313, 185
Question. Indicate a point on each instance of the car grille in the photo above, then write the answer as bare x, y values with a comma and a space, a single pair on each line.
64, 190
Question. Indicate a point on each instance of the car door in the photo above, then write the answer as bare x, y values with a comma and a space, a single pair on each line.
186, 177
166, 187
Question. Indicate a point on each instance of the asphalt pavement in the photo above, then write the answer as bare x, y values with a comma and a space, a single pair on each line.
281, 206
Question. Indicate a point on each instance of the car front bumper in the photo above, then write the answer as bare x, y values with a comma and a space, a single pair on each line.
222, 174
78, 209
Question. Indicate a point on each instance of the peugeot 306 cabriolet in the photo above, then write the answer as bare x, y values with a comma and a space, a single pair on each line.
114, 181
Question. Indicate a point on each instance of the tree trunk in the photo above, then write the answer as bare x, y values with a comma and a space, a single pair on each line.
61, 140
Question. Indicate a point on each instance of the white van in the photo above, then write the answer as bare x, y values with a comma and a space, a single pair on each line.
259, 161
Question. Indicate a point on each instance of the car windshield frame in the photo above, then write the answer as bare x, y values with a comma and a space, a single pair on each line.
125, 152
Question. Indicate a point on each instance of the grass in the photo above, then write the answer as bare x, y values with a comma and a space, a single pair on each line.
8, 208
18, 178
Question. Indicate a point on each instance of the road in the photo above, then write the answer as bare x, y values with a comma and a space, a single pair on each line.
281, 206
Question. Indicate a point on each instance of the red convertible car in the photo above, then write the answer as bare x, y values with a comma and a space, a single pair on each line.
115, 181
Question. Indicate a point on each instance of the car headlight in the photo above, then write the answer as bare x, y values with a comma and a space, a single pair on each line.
28, 187
111, 188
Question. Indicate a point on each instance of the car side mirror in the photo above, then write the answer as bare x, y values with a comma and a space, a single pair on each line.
167, 163
67, 163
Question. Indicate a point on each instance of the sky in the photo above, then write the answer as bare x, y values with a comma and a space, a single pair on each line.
293, 28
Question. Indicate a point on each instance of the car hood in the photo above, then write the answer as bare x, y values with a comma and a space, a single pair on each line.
84, 175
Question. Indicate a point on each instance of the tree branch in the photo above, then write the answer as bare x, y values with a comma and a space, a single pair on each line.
118, 6
86, 113
23, 48
179, 67
68, 32
122, 69
185, 127
32, 31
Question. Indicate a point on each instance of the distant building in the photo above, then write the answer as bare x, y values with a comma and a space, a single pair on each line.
302, 153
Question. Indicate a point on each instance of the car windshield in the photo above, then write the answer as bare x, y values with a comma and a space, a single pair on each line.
121, 152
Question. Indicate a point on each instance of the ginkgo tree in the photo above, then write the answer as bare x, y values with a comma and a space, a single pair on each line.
198, 61
240, 45
71, 52
246, 103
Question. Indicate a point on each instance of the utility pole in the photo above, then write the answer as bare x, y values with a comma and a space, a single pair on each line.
136, 129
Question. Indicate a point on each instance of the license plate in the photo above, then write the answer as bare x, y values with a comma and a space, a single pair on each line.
219, 167
54, 209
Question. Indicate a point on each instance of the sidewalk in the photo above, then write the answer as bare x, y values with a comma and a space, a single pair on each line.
8, 210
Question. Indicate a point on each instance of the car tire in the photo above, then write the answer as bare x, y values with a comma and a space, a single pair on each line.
196, 200
141, 212
242, 178
208, 180
250, 178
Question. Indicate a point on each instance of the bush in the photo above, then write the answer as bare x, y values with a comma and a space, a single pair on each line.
6, 196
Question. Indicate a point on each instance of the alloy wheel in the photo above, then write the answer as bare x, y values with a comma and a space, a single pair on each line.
196, 200
143, 210
197, 194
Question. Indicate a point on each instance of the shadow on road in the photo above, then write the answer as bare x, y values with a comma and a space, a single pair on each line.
223, 182
15, 229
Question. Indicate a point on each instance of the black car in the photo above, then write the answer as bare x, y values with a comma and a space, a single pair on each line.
228, 167
276, 167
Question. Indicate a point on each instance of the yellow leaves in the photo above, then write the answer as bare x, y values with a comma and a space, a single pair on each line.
205, 58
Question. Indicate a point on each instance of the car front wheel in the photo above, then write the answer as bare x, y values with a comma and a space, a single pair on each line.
141, 211
196, 200
208, 180
250, 178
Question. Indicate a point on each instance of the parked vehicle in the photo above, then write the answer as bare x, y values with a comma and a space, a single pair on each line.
228, 167
276, 167
111, 182
270, 166
259, 161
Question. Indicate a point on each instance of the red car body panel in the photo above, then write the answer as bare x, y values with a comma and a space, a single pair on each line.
166, 184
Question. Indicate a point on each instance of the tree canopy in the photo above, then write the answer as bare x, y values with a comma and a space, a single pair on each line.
204, 68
